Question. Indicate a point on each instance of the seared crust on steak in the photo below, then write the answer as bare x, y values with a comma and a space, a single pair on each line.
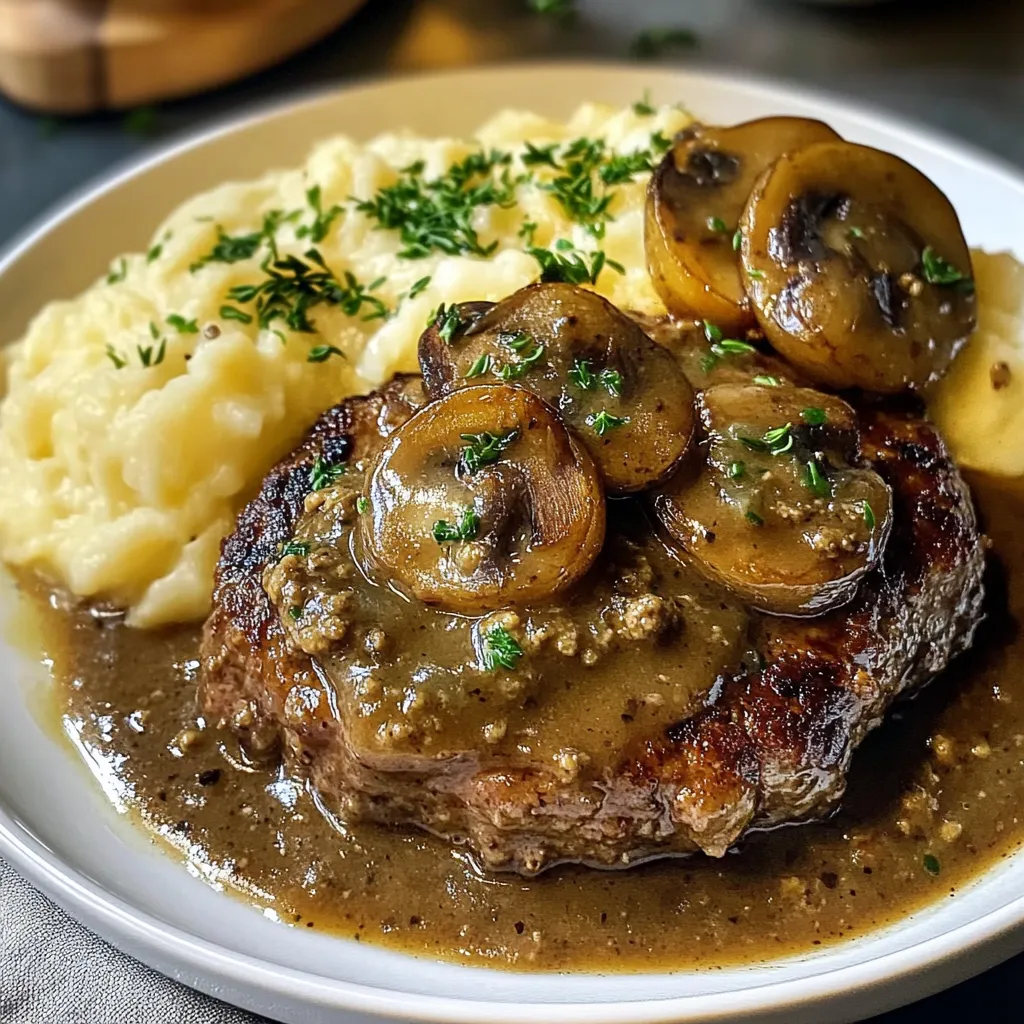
767, 747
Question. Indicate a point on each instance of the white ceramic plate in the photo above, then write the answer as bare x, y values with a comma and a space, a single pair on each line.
60, 831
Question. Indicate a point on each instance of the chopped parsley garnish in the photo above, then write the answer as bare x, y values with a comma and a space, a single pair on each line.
534, 155
814, 416
816, 481
940, 271
869, 514
466, 528
231, 249
855, 232
776, 441
321, 353
757, 275
154, 331
737, 240
604, 421
718, 225
181, 325
572, 268
722, 347
513, 371
118, 272
150, 355
485, 448
322, 219
436, 215
754, 519
295, 547
643, 108
737, 469
480, 366
293, 287
712, 332
622, 168
155, 252
233, 313
766, 380
582, 376
732, 347
419, 287
295, 612
653, 42
931, 864
362, 505
323, 473
501, 649
116, 358
447, 320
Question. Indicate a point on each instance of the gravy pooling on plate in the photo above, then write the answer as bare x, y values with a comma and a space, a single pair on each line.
936, 797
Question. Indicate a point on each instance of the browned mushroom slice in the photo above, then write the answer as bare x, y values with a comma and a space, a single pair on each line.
482, 499
694, 203
625, 396
776, 507
857, 268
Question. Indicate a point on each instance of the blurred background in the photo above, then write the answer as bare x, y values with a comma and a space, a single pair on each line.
99, 81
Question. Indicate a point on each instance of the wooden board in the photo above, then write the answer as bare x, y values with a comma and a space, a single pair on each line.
76, 56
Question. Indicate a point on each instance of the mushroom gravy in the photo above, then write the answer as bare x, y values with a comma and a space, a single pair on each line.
936, 796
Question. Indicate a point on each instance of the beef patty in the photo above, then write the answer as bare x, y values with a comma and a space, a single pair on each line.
651, 714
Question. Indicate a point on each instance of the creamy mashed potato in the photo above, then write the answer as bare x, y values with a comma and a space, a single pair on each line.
979, 404
143, 413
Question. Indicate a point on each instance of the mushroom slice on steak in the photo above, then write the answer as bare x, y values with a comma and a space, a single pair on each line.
482, 499
857, 268
624, 395
694, 203
775, 506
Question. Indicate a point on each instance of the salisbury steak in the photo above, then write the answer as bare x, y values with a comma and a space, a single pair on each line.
645, 711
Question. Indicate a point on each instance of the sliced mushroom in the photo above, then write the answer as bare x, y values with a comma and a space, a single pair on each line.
774, 505
857, 268
625, 396
694, 203
482, 499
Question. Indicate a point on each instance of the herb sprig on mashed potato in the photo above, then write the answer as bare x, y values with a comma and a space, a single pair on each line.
143, 413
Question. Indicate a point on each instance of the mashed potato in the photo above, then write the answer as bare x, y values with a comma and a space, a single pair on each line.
143, 413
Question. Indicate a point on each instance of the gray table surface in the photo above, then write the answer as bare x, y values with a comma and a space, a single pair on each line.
957, 66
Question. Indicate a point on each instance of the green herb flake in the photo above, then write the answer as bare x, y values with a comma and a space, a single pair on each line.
711, 332
362, 505
233, 313
501, 649
485, 448
732, 347
447, 321
513, 371
324, 473
815, 480
295, 612
419, 287
466, 529
855, 232
754, 519
155, 253
717, 225
154, 331
813, 416
181, 325
653, 42
321, 353
116, 358
150, 355
775, 441
737, 240
766, 380
118, 272
481, 365
299, 548
869, 515
231, 249
643, 108
757, 275
323, 219
572, 268
533, 155
604, 421
931, 864
737, 469
940, 271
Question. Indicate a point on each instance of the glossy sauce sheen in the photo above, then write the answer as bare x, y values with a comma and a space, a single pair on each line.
936, 796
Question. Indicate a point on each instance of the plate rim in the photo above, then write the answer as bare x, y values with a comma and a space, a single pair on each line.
141, 933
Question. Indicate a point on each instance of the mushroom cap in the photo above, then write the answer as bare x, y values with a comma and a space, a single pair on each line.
482, 499
625, 397
774, 505
857, 268
694, 202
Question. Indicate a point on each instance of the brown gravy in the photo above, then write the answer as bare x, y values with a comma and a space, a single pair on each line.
936, 796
